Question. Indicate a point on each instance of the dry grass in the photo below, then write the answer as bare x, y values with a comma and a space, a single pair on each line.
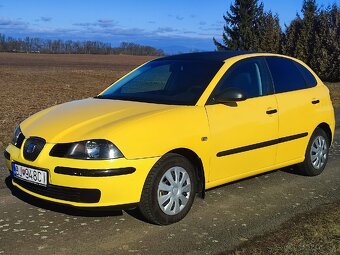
335, 93
316, 232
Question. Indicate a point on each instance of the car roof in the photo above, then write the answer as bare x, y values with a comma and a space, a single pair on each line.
218, 56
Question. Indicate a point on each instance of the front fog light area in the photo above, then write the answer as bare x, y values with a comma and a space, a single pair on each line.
91, 149
18, 137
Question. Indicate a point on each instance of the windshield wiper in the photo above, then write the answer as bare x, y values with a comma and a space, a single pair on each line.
99, 97
115, 98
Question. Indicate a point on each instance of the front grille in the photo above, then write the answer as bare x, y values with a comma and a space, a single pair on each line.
62, 193
32, 148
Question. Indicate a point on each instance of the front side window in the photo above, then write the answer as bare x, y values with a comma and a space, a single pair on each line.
177, 82
251, 76
286, 76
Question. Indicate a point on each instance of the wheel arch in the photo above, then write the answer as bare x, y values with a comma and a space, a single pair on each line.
325, 127
196, 161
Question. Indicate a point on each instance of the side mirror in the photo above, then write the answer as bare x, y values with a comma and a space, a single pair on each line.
230, 95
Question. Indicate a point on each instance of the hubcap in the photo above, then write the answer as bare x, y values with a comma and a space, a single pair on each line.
318, 152
174, 190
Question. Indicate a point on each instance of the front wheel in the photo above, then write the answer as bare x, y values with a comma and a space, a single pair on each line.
316, 154
169, 190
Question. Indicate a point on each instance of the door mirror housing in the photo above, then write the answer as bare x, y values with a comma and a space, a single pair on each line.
230, 95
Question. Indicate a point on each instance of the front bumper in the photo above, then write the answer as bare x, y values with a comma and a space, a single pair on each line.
84, 183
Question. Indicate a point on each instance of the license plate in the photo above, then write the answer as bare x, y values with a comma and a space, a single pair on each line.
29, 174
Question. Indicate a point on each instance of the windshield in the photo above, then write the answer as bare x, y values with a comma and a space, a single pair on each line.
176, 82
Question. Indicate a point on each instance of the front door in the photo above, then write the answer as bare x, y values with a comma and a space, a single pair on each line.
243, 134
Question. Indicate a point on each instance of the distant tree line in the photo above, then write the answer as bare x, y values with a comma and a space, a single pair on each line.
314, 38
38, 45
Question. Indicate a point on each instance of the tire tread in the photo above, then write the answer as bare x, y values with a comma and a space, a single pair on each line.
306, 167
146, 205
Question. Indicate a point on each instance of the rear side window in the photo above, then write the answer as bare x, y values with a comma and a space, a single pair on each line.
286, 76
310, 79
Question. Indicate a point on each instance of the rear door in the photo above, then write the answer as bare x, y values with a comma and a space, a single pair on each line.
241, 133
297, 99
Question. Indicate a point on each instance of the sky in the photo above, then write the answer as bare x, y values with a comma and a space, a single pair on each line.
172, 25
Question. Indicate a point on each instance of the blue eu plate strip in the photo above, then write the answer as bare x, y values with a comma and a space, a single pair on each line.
14, 169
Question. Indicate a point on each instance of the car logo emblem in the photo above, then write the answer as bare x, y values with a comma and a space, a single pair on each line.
31, 147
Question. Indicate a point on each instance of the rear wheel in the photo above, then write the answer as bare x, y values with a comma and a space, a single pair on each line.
169, 190
316, 154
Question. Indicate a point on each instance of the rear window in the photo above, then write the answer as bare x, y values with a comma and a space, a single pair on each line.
310, 79
286, 76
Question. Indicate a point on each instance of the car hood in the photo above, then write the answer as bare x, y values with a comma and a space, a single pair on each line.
86, 119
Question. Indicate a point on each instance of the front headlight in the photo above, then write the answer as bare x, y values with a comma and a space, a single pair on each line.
18, 137
90, 149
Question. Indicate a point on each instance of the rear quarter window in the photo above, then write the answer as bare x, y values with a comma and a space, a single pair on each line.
286, 75
310, 79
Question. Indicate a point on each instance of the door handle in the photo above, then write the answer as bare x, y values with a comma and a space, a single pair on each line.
272, 111
316, 101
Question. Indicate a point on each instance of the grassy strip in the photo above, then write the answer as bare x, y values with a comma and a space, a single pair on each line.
334, 88
316, 232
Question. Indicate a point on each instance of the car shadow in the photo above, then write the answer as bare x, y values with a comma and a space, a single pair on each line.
292, 170
106, 211
70, 210
60, 208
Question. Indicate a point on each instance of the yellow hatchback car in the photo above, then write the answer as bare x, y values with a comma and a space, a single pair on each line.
174, 127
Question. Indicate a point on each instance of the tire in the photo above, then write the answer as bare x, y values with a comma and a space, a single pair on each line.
164, 200
316, 156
